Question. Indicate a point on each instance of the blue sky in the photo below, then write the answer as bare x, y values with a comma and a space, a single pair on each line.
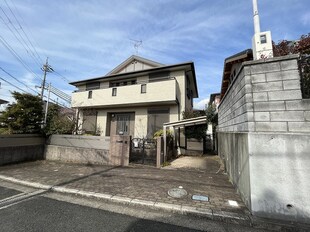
85, 39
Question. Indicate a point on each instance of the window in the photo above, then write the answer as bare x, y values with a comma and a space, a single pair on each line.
123, 124
90, 121
263, 39
158, 76
92, 86
143, 88
114, 91
90, 94
156, 119
122, 82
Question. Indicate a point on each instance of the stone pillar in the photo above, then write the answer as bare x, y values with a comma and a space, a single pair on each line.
119, 150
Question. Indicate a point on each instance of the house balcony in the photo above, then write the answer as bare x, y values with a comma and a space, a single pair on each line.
151, 93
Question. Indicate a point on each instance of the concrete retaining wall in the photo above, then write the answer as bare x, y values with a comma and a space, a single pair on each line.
271, 172
82, 141
18, 148
78, 149
233, 149
280, 174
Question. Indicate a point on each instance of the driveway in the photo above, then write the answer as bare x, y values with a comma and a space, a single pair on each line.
209, 163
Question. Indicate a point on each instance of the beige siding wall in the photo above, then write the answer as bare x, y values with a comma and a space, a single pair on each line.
101, 121
141, 123
181, 85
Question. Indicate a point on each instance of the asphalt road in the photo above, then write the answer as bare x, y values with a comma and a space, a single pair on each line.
6, 192
37, 210
44, 214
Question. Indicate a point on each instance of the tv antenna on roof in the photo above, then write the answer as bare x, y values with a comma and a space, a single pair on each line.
136, 44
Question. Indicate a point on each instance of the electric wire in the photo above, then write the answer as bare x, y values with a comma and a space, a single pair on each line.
13, 85
21, 40
18, 80
13, 52
21, 27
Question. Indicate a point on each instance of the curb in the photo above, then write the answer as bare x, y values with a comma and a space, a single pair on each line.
185, 210
228, 217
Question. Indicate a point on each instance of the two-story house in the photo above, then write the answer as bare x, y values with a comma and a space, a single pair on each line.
135, 98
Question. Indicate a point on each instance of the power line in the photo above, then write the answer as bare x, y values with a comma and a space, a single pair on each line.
62, 76
13, 85
13, 52
21, 40
21, 27
18, 80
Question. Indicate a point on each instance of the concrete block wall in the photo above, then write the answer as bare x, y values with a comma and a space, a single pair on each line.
266, 97
19, 148
277, 99
236, 110
78, 149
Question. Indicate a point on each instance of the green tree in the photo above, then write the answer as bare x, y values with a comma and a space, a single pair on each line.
198, 131
58, 122
24, 116
211, 115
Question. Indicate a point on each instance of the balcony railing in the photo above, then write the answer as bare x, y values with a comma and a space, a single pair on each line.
304, 68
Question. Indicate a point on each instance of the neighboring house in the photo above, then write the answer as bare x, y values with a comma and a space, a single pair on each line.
3, 101
215, 99
135, 98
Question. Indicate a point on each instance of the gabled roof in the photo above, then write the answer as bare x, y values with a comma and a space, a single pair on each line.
131, 59
229, 62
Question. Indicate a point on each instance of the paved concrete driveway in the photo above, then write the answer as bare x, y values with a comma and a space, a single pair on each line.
210, 163
138, 184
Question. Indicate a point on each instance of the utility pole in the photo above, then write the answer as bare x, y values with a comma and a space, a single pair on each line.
46, 68
47, 103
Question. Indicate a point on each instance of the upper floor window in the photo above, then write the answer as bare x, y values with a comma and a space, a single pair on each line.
114, 91
158, 76
90, 94
143, 88
93, 85
122, 82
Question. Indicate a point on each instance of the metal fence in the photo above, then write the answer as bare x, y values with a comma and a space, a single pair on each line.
304, 68
143, 151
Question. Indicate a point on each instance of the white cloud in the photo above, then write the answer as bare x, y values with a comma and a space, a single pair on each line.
201, 105
85, 39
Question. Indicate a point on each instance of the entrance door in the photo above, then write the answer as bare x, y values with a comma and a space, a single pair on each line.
123, 124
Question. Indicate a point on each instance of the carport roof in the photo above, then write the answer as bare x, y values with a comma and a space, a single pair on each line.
187, 122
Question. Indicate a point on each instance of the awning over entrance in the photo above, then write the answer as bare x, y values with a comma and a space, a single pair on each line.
181, 124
